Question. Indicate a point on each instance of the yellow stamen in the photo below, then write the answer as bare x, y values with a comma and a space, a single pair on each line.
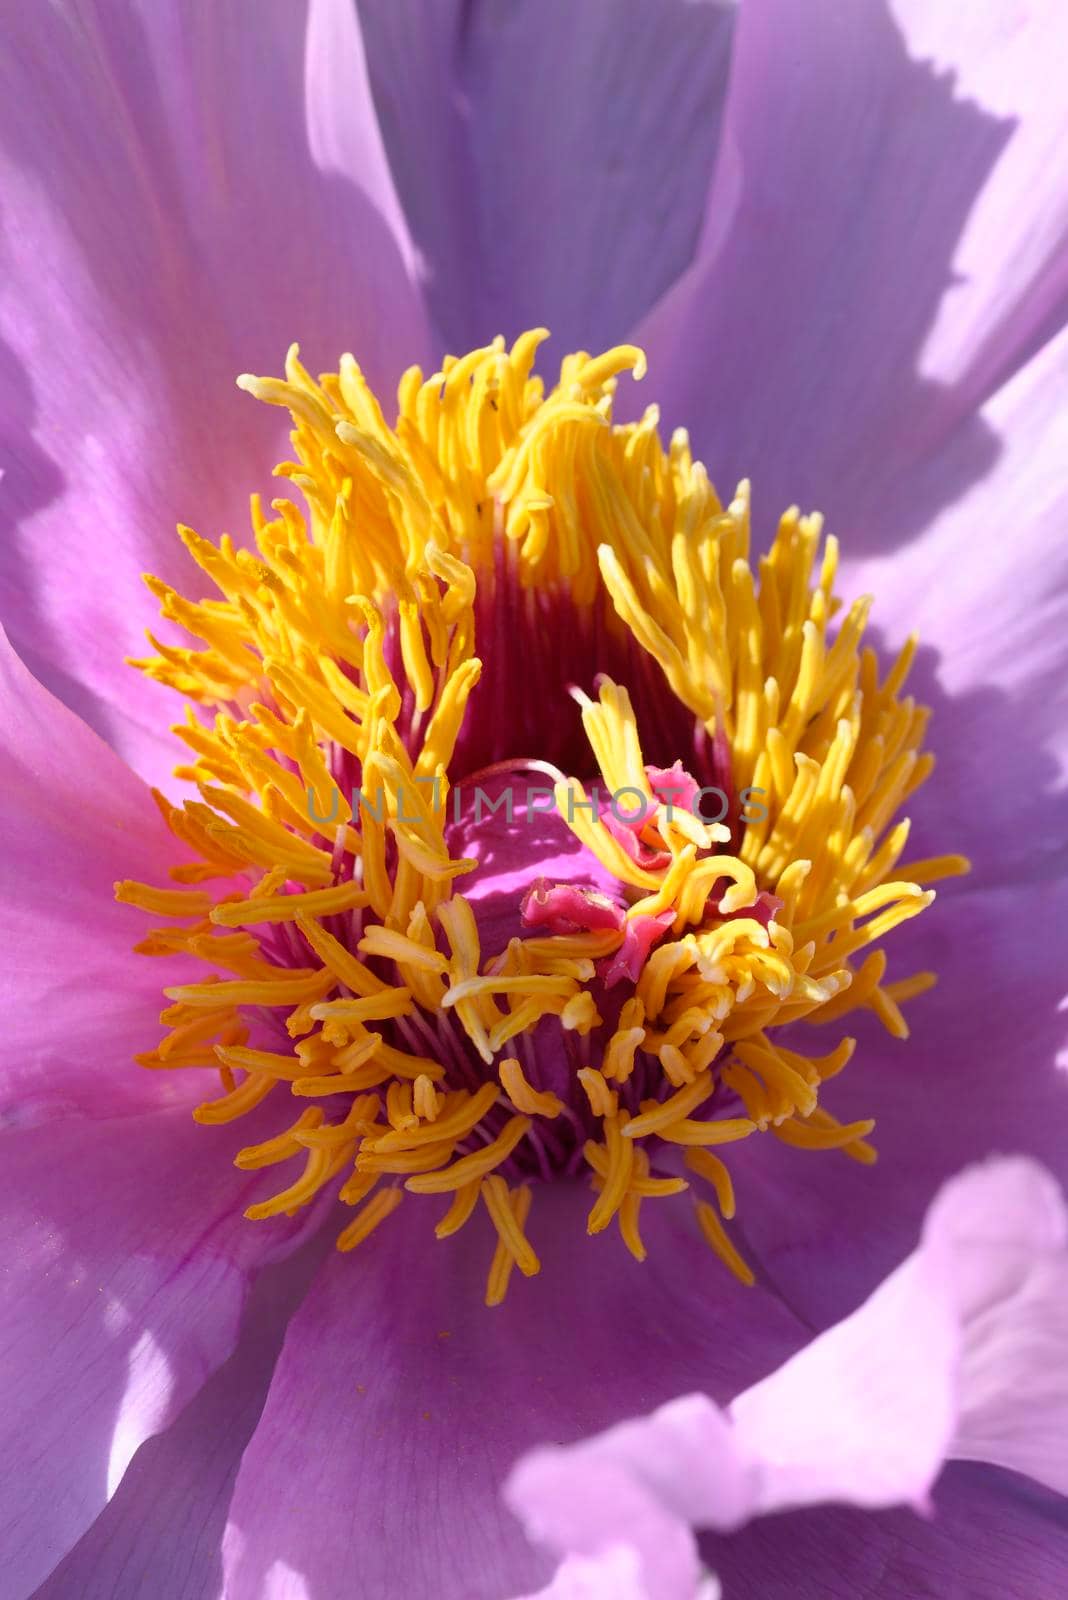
473, 1166
288, 907
359, 636
675, 1106
367, 1219
453, 1125
620, 1164
426, 1101
640, 1182
245, 1097
164, 902
504, 1257
716, 1234
603, 1100
807, 1137
531, 1102
464, 1202
286, 991
374, 1007
726, 1130
710, 1167
271, 1062
496, 1195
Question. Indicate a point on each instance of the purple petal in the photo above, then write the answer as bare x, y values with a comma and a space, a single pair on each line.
417, 1397
1010, 267
162, 1530
553, 158
982, 1071
126, 1262
986, 587
126, 1255
415, 66
966, 1342
883, 244
77, 1002
991, 1537
213, 187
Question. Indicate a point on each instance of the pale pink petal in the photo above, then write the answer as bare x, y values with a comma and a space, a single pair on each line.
187, 189
962, 1350
641, 1486
595, 1506
868, 1412
1013, 1381
615, 1574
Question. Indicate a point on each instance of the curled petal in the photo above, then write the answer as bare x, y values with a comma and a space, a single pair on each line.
961, 1352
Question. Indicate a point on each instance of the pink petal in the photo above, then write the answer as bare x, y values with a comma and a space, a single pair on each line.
566, 908
966, 1341
674, 786
513, 856
213, 187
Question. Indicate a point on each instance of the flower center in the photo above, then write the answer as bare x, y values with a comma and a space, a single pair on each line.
527, 817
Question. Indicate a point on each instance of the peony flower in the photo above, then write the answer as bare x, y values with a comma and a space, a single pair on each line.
527, 885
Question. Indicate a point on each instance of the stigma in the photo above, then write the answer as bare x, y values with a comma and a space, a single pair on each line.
442, 988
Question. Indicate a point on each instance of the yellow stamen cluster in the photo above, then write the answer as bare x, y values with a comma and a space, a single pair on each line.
345, 645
